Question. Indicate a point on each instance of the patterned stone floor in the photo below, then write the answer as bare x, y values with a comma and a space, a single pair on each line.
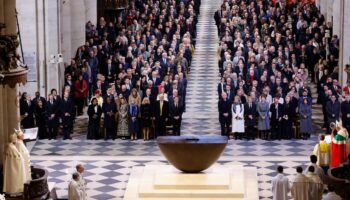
108, 163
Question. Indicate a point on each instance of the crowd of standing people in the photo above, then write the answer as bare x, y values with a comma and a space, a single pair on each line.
131, 73
269, 53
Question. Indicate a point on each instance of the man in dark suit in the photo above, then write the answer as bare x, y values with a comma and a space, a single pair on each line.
27, 112
67, 116
230, 93
110, 71
345, 111
276, 118
333, 110
155, 80
52, 116
161, 115
37, 98
221, 87
250, 118
176, 110
225, 114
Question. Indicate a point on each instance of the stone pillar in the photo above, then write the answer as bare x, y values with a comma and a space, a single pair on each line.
91, 11
336, 17
10, 17
65, 36
52, 46
9, 110
329, 10
27, 15
77, 25
344, 53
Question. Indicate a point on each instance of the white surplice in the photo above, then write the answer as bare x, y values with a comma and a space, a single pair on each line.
280, 187
316, 186
26, 157
74, 191
14, 171
300, 189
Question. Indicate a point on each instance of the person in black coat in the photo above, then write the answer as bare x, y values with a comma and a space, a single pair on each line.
146, 114
67, 115
333, 110
161, 115
94, 113
176, 110
38, 97
345, 111
40, 116
225, 114
52, 117
26, 111
288, 112
276, 110
250, 114
109, 110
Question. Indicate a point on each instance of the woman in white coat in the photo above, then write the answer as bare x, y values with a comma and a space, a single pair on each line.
237, 118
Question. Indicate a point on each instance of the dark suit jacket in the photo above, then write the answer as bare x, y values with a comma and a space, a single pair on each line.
165, 110
176, 111
224, 107
67, 107
250, 111
345, 110
52, 109
333, 109
274, 112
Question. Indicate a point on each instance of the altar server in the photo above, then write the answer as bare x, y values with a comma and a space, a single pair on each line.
300, 186
14, 170
280, 185
74, 191
316, 184
24, 153
82, 182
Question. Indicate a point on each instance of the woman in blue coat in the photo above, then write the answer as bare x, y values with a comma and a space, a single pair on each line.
133, 119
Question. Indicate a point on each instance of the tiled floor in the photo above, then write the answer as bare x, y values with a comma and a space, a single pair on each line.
108, 163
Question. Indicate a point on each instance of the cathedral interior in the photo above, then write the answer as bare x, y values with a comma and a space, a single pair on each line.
192, 54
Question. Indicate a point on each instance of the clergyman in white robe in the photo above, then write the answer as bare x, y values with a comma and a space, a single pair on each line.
14, 170
316, 186
300, 189
25, 154
82, 182
74, 191
280, 187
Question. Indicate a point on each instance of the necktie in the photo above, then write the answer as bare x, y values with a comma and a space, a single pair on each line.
161, 108
276, 111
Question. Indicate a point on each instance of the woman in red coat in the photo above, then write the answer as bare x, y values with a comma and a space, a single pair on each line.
80, 93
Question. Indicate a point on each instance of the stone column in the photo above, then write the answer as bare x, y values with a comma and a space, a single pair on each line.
91, 11
344, 53
336, 17
77, 24
52, 40
9, 111
329, 10
65, 35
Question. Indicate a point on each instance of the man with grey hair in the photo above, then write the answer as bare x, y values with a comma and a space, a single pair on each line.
82, 183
